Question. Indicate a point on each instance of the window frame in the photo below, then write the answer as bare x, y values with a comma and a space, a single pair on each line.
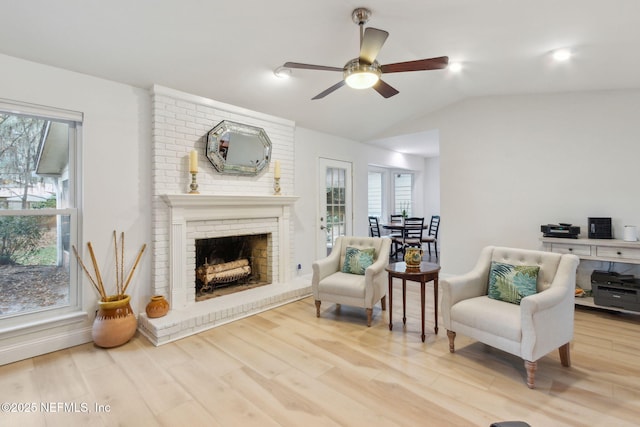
48, 317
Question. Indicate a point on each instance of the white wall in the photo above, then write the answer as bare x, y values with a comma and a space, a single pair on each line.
512, 163
116, 178
311, 145
431, 186
116, 156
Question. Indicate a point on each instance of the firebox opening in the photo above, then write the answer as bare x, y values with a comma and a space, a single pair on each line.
230, 264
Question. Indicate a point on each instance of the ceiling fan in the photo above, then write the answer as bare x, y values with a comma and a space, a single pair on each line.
364, 71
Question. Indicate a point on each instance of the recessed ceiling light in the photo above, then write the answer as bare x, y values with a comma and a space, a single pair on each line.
282, 72
455, 66
561, 54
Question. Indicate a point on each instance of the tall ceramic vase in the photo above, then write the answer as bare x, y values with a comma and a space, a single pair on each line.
115, 322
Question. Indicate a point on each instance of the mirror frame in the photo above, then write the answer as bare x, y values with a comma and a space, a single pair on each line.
220, 163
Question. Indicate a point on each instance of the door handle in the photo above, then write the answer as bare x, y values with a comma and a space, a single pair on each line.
322, 227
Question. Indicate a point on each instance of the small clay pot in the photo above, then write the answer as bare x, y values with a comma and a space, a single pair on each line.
157, 307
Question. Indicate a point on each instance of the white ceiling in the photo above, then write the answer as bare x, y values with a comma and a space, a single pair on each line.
227, 51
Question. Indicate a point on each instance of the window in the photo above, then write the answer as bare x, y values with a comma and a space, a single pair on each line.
389, 193
403, 193
375, 194
336, 204
38, 212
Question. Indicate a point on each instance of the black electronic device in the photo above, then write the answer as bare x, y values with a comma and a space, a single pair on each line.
599, 228
611, 289
563, 230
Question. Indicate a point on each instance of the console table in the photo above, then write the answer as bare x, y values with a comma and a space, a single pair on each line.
609, 250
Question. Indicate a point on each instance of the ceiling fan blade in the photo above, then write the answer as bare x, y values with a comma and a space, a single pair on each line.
328, 91
419, 65
385, 89
372, 42
310, 66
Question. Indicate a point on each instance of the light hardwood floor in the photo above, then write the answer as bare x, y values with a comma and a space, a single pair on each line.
287, 367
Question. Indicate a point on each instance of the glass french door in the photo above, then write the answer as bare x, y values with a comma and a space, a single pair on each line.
335, 216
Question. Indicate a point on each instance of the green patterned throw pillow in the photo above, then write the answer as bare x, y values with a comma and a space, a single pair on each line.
357, 260
511, 283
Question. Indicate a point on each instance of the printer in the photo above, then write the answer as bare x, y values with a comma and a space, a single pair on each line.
566, 231
611, 289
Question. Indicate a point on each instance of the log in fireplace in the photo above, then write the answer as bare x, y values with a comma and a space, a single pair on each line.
231, 262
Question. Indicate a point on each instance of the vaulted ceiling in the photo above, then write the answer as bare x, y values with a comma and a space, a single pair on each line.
228, 50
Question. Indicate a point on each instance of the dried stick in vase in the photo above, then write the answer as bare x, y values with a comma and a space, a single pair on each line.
115, 245
122, 264
93, 282
96, 268
134, 268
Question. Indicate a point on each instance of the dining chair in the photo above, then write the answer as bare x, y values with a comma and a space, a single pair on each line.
395, 218
432, 235
413, 231
411, 235
396, 236
374, 227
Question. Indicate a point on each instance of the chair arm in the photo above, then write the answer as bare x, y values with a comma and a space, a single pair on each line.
547, 317
541, 301
325, 266
374, 278
562, 287
469, 285
381, 262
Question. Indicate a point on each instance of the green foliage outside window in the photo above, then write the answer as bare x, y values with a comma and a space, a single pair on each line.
19, 237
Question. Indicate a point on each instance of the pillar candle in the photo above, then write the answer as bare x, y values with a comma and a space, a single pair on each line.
276, 169
193, 161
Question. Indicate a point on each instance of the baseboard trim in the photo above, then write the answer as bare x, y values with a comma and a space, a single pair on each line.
44, 344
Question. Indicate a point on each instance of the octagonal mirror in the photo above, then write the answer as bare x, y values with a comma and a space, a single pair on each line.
239, 149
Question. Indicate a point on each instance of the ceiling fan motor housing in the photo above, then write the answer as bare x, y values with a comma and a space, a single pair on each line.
360, 75
361, 15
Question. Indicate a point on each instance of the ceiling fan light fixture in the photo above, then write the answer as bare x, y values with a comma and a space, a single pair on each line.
361, 76
562, 54
455, 67
282, 72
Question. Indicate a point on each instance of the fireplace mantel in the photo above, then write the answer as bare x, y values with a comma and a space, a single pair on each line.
198, 207
206, 201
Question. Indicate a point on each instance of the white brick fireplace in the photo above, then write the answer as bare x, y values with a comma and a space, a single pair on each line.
226, 206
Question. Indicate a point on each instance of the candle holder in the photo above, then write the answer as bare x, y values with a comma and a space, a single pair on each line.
276, 186
194, 185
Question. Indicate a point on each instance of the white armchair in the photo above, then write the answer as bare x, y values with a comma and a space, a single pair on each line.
540, 324
329, 283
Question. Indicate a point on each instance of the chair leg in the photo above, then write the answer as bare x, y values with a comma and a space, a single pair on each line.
452, 338
531, 373
383, 302
317, 308
369, 316
565, 356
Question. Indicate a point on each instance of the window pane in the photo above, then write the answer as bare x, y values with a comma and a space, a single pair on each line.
375, 194
34, 159
403, 190
336, 207
34, 263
